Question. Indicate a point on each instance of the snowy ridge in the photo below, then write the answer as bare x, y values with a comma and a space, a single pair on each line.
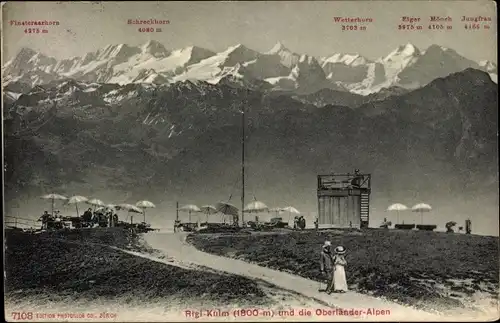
398, 60
278, 69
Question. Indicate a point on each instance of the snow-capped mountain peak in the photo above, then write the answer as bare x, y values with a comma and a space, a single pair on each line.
237, 54
402, 52
235, 48
283, 70
347, 59
397, 61
24, 55
119, 53
155, 49
287, 57
277, 48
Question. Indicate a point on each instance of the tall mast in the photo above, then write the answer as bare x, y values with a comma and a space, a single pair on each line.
243, 165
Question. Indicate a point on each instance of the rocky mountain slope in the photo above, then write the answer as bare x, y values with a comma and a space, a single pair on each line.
183, 140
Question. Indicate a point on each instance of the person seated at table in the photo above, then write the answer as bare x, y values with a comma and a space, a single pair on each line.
109, 217
103, 220
58, 220
94, 220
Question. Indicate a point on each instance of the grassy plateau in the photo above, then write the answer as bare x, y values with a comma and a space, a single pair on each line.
78, 265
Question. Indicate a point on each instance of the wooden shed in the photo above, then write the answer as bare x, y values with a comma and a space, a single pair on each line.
344, 200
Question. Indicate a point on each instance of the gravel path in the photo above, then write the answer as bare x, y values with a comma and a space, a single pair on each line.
177, 250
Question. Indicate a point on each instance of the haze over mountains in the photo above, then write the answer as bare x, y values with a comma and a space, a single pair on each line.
278, 70
168, 141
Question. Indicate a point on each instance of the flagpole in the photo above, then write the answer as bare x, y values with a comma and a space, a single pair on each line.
243, 166
177, 211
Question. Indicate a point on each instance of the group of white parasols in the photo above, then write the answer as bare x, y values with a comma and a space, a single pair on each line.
420, 208
98, 205
225, 208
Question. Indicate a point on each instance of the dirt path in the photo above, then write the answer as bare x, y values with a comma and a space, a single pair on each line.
175, 248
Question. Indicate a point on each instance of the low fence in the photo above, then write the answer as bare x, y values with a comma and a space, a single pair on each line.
21, 223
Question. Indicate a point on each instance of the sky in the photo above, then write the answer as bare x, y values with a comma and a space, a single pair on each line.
303, 27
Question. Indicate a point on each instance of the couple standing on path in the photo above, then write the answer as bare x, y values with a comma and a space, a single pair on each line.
333, 265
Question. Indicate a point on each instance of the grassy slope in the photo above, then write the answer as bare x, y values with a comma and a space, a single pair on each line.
411, 267
39, 265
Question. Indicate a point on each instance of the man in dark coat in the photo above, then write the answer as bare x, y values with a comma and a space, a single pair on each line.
87, 216
468, 226
302, 223
326, 264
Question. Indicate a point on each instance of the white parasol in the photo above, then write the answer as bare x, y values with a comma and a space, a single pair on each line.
129, 208
189, 208
75, 200
208, 210
397, 207
290, 210
255, 207
95, 203
144, 205
54, 197
421, 208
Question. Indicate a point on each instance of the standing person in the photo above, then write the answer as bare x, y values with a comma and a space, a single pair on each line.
326, 264
109, 218
468, 226
87, 217
339, 279
302, 222
45, 219
357, 180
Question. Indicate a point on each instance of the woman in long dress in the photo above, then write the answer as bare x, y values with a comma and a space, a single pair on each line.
339, 279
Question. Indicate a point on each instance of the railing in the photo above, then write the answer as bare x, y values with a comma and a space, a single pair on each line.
344, 181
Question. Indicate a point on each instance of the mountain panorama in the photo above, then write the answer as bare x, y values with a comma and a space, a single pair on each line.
131, 123
278, 70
